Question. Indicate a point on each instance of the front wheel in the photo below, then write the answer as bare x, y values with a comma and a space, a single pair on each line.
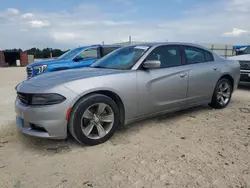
222, 94
94, 119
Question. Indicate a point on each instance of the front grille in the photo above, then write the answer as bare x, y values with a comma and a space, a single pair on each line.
244, 65
24, 98
29, 71
244, 78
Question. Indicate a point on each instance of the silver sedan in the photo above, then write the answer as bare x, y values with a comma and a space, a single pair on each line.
129, 84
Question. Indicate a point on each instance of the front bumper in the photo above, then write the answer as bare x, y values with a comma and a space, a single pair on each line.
245, 76
45, 122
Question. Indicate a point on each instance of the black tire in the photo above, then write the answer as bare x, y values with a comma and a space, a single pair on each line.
215, 101
77, 112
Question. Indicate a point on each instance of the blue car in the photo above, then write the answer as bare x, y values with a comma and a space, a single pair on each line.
73, 59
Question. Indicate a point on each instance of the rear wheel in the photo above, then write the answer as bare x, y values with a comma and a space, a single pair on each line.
222, 94
94, 119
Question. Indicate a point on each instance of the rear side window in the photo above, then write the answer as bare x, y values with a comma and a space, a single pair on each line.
197, 55
107, 50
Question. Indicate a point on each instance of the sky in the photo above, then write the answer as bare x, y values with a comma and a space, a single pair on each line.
70, 23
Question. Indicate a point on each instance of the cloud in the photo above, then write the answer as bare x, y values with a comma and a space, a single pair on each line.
239, 5
27, 15
69, 37
236, 33
24, 30
38, 23
206, 22
13, 11
113, 23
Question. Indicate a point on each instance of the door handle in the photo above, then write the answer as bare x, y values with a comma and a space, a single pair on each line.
183, 74
215, 68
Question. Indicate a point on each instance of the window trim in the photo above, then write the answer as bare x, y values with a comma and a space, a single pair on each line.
183, 47
164, 45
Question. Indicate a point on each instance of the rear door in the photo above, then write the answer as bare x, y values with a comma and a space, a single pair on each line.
204, 73
164, 88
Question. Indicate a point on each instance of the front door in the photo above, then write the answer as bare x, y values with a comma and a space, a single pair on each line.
164, 88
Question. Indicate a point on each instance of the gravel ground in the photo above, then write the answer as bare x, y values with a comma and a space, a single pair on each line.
200, 147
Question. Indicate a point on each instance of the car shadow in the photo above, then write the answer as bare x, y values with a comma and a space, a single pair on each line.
122, 135
125, 132
47, 146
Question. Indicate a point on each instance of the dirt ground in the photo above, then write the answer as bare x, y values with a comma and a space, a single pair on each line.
200, 147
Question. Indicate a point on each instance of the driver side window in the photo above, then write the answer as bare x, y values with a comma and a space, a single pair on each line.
168, 55
91, 53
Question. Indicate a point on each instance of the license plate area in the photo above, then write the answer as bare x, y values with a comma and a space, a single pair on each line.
19, 121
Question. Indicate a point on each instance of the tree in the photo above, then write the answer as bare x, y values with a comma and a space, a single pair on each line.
13, 50
44, 53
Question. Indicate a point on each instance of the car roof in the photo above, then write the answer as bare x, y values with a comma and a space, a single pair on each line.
99, 45
154, 44
165, 43
151, 44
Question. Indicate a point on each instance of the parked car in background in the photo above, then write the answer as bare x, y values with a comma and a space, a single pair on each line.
129, 84
239, 48
75, 58
244, 60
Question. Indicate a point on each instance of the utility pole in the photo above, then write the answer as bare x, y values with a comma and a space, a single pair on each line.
129, 39
51, 52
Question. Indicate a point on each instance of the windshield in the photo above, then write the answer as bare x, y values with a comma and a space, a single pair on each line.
123, 58
70, 54
246, 51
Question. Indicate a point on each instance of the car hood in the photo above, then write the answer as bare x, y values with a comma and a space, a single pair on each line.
48, 62
245, 57
62, 77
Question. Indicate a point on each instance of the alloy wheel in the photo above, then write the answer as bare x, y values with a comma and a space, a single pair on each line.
97, 121
224, 93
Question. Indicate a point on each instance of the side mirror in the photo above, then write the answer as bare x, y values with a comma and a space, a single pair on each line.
78, 58
152, 64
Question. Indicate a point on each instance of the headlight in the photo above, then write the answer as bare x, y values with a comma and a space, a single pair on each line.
40, 68
47, 99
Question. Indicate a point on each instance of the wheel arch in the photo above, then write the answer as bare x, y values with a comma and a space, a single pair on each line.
114, 96
229, 77
214, 102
